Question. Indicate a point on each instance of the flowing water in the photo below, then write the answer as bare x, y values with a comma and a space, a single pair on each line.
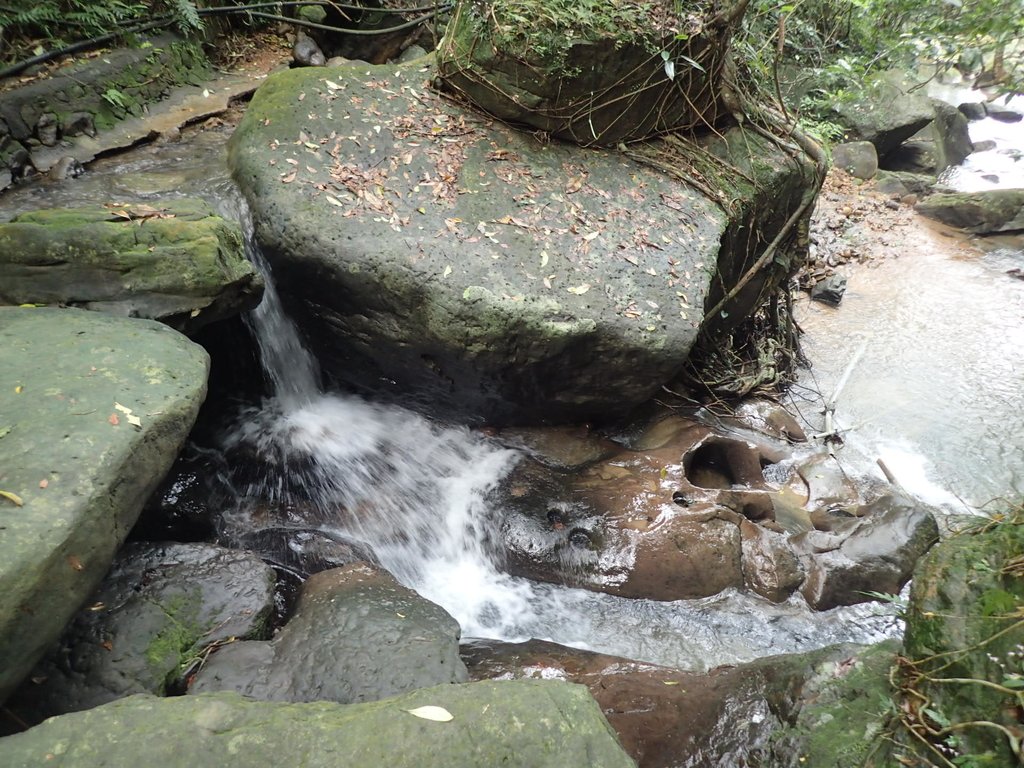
939, 384
936, 335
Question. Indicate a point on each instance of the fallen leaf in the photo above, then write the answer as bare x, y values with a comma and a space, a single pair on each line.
135, 421
429, 712
114, 421
75, 563
289, 178
579, 290
543, 258
333, 200
97, 606
107, 645
332, 86
447, 270
43, 483
14, 498
18, 389
123, 409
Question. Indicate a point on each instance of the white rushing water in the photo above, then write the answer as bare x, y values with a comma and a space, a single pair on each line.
417, 494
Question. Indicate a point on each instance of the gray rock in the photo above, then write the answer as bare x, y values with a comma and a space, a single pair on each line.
306, 53
887, 113
357, 636
158, 609
1002, 113
478, 269
542, 724
985, 212
943, 143
857, 158
985, 145
412, 53
65, 168
178, 263
972, 110
48, 129
81, 469
901, 183
79, 123
874, 553
830, 290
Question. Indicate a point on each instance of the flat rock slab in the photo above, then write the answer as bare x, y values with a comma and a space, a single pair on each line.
159, 608
518, 723
177, 262
358, 635
420, 244
71, 385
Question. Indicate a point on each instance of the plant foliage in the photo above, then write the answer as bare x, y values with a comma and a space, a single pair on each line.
27, 28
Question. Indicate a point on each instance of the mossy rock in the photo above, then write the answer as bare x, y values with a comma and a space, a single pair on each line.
983, 213
178, 263
542, 724
591, 71
964, 629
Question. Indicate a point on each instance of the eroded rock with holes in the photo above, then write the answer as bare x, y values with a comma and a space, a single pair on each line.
684, 510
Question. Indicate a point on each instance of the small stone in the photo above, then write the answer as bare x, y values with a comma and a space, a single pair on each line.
1003, 114
986, 145
66, 168
830, 290
972, 110
306, 53
79, 123
48, 129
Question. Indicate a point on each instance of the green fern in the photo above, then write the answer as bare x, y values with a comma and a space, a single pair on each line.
185, 16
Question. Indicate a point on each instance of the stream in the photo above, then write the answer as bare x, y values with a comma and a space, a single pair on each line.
937, 393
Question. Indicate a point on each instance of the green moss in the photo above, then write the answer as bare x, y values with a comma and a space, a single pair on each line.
172, 647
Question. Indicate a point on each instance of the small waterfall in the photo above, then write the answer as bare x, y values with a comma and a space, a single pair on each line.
414, 495
294, 374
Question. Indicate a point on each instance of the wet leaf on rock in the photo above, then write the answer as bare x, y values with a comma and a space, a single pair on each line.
14, 498
430, 712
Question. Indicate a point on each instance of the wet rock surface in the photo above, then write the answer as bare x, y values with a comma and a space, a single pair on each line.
356, 636
535, 723
729, 716
177, 262
875, 553
684, 510
149, 625
69, 381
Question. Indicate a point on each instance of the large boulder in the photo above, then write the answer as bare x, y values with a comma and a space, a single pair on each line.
544, 724
486, 271
943, 143
983, 213
95, 409
178, 263
158, 613
887, 112
618, 72
358, 635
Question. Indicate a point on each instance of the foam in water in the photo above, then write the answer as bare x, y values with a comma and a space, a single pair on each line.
417, 495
